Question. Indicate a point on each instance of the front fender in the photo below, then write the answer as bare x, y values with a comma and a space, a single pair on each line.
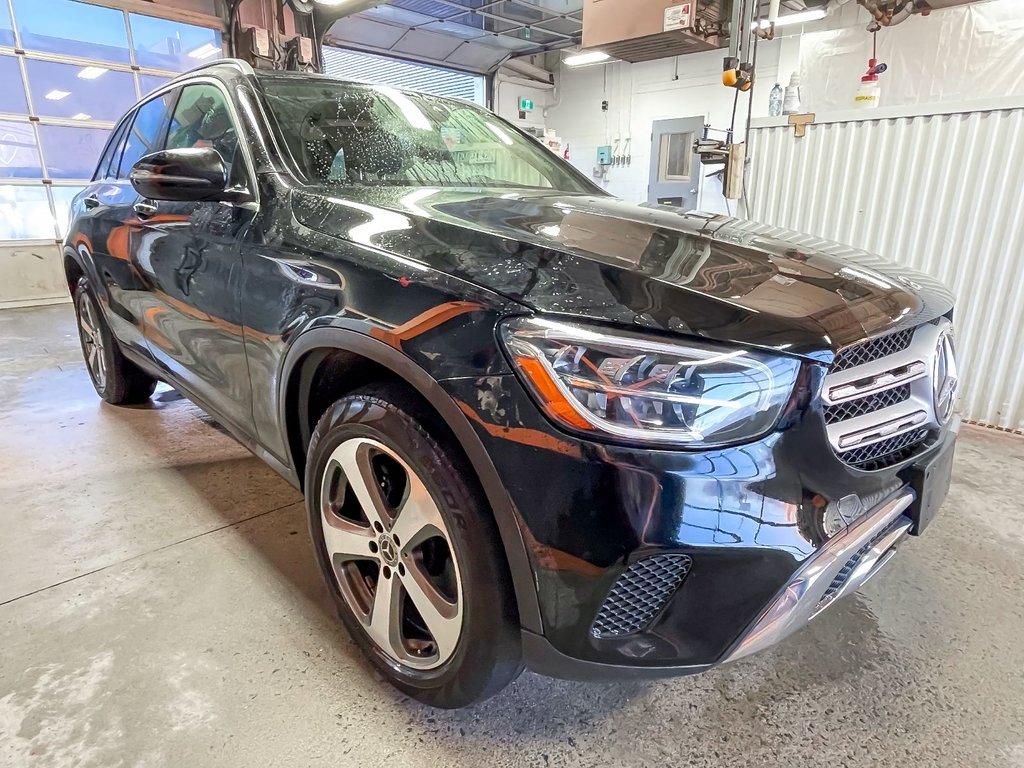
293, 403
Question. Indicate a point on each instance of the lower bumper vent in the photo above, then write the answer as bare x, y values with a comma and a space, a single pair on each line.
639, 594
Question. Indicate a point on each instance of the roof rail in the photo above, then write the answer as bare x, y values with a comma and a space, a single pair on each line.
242, 66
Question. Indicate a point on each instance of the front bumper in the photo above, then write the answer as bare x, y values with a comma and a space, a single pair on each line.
839, 568
748, 517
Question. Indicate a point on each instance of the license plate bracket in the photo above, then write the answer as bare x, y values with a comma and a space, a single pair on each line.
930, 480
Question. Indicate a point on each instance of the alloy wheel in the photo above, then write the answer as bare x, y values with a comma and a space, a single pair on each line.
92, 341
391, 554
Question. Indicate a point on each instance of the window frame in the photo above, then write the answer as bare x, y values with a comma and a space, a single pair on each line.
232, 117
179, 85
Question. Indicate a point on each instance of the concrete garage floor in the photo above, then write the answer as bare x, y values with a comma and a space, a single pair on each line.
159, 607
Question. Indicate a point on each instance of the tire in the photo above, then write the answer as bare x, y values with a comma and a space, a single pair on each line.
451, 562
116, 379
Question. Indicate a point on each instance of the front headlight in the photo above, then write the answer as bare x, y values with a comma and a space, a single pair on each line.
633, 387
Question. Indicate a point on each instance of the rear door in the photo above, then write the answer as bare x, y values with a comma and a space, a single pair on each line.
189, 254
675, 168
105, 223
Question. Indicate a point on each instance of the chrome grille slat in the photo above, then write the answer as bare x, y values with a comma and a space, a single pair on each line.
886, 453
878, 402
852, 408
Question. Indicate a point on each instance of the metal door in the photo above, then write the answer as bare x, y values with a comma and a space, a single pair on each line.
675, 167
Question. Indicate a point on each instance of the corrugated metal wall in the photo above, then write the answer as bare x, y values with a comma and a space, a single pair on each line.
943, 194
367, 68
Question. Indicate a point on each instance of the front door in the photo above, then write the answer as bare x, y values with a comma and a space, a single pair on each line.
190, 254
675, 168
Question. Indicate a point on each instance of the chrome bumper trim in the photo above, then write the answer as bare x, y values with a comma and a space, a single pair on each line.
870, 539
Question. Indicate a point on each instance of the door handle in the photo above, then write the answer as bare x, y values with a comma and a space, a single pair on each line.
144, 209
92, 201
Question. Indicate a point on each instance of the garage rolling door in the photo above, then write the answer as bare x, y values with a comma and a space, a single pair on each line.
367, 68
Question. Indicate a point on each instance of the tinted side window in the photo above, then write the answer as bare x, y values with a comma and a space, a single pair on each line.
111, 153
146, 134
202, 119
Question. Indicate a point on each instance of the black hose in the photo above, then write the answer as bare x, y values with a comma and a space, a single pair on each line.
232, 15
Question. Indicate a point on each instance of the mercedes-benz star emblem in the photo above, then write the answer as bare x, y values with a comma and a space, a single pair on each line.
388, 550
944, 378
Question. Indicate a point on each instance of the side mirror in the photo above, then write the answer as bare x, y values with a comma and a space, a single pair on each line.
193, 174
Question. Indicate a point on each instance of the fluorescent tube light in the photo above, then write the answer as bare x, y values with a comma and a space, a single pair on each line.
795, 18
590, 57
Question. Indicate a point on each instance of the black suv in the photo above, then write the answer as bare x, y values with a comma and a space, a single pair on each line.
534, 424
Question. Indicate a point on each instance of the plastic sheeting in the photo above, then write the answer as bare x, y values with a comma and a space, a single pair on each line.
962, 54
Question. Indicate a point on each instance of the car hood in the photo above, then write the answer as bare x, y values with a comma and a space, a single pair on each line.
597, 257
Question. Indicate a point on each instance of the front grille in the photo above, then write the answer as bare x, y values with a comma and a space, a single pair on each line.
639, 593
885, 389
863, 353
887, 452
854, 408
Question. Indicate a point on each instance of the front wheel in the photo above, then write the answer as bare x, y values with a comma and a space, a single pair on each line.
410, 551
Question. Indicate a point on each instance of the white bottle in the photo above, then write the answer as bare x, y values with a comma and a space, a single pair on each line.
775, 101
869, 93
791, 104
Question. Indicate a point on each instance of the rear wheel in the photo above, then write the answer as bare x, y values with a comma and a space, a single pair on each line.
409, 550
116, 379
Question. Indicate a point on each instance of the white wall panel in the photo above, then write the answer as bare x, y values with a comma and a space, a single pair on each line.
943, 194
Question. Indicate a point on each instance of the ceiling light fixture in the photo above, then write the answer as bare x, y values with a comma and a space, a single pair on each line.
589, 57
56, 95
795, 18
91, 73
204, 51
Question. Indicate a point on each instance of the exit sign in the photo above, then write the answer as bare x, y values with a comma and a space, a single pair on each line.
525, 104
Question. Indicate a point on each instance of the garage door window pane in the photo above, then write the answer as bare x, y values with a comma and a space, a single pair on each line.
6, 28
72, 153
25, 213
79, 92
62, 197
149, 83
71, 28
12, 91
164, 44
19, 156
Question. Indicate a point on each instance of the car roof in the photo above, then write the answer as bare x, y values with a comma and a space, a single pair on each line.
232, 67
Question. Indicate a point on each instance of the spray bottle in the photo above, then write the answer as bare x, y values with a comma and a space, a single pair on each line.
869, 93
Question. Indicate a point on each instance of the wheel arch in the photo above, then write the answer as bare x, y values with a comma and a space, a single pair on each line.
74, 268
308, 352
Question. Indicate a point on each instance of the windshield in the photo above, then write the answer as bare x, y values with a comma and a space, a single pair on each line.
344, 135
